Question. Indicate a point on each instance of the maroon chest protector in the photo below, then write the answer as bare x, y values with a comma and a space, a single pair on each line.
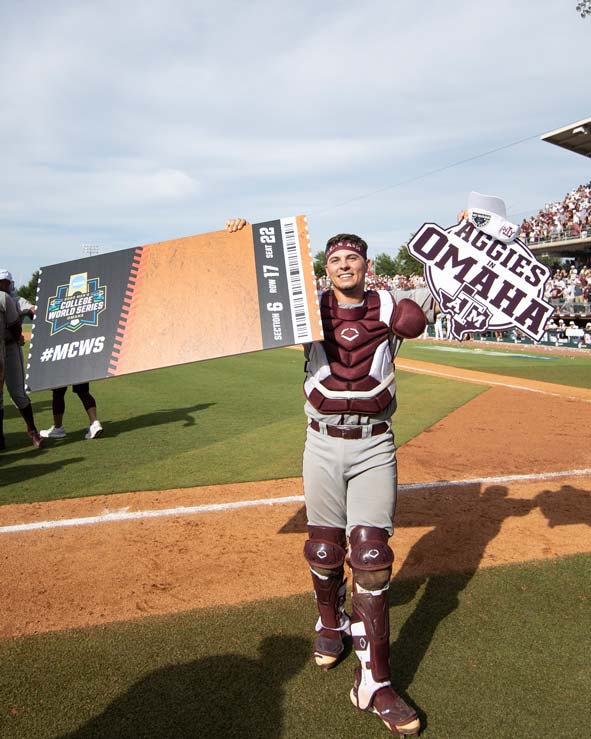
351, 370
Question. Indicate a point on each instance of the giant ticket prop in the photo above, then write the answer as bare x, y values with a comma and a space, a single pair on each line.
173, 302
482, 283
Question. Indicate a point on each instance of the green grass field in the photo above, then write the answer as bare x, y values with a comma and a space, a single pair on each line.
500, 653
506, 360
497, 654
204, 423
228, 420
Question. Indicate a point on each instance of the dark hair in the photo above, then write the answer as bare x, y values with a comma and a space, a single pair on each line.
352, 238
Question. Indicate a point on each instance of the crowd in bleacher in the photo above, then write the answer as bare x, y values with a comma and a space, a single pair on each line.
570, 286
569, 218
558, 332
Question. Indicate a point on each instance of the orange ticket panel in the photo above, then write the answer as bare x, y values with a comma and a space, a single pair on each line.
179, 301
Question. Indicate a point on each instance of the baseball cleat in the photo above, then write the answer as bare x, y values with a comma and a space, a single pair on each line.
329, 644
398, 717
54, 432
327, 652
35, 438
94, 430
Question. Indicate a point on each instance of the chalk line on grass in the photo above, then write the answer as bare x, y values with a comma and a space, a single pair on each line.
487, 380
126, 515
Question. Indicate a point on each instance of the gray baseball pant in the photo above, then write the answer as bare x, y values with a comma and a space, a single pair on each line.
350, 482
14, 375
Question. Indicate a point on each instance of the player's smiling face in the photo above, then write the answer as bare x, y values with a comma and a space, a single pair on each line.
347, 271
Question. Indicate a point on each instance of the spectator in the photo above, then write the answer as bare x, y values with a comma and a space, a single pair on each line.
565, 219
58, 407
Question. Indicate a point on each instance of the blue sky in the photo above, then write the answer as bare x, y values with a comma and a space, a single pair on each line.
131, 123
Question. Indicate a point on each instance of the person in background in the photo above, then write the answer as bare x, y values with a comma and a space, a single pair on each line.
14, 366
58, 407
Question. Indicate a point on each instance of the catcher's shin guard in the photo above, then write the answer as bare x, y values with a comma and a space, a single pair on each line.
325, 553
371, 560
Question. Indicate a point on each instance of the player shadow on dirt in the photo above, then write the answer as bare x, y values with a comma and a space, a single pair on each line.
565, 507
224, 696
444, 560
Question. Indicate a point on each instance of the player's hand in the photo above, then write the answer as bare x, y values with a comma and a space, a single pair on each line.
21, 340
462, 216
235, 224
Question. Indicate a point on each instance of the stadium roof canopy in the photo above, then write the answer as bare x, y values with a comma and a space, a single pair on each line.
574, 137
571, 248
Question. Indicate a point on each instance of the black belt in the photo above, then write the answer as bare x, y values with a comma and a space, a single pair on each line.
352, 433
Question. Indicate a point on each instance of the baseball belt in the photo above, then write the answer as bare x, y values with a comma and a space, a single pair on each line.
358, 432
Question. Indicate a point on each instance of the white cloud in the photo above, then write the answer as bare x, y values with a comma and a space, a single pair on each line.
130, 123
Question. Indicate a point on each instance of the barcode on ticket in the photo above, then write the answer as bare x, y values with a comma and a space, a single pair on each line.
293, 260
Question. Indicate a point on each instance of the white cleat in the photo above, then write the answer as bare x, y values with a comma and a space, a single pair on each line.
54, 432
94, 430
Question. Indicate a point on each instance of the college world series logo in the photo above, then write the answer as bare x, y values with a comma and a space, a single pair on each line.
482, 283
76, 304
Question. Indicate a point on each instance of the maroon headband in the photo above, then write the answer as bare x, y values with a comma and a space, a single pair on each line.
348, 246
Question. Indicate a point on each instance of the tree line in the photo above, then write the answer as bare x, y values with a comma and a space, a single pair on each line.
29, 291
382, 264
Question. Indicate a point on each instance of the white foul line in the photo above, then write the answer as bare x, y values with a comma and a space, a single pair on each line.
124, 515
485, 381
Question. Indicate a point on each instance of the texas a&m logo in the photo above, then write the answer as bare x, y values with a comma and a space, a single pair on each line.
480, 282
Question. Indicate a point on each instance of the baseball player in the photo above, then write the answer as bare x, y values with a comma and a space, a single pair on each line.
349, 468
9, 325
14, 366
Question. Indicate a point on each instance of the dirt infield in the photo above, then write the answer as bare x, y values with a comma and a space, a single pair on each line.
76, 575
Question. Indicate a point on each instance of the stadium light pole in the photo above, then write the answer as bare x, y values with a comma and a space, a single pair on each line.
89, 250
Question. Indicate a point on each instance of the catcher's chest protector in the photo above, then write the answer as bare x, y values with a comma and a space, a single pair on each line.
351, 371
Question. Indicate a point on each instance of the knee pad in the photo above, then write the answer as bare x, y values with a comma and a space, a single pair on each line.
369, 549
325, 547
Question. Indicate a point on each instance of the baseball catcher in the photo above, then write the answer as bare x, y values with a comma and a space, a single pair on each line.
349, 468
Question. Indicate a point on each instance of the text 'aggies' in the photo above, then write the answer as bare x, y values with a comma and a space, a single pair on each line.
506, 279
